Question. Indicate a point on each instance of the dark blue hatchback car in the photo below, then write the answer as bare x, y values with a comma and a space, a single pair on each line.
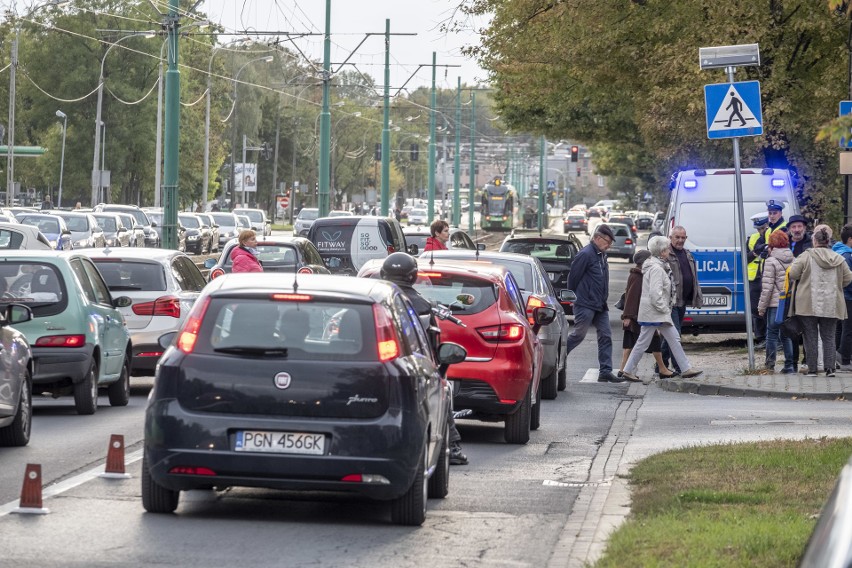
326, 386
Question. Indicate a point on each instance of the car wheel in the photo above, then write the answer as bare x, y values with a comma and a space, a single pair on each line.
535, 411
156, 498
119, 391
86, 391
439, 483
517, 429
550, 384
410, 509
18, 432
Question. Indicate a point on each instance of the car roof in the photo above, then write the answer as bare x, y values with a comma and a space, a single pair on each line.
469, 254
535, 237
350, 220
342, 287
131, 253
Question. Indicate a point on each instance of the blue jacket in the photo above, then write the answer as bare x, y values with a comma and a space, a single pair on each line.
589, 278
846, 253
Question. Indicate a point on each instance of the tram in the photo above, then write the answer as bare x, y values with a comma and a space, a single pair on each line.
498, 206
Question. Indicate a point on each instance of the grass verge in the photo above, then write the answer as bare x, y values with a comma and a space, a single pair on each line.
751, 504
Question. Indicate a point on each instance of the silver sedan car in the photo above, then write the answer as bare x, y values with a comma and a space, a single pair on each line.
163, 285
16, 380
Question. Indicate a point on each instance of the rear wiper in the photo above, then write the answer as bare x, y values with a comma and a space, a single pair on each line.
238, 350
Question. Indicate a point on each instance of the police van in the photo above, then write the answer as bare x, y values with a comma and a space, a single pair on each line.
704, 203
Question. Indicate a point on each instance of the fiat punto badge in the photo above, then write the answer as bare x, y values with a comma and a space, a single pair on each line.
282, 380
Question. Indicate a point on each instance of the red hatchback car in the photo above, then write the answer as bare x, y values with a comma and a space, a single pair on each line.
500, 379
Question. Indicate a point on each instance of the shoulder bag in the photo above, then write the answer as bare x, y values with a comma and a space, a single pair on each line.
792, 324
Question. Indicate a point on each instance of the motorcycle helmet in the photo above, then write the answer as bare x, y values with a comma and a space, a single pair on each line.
400, 268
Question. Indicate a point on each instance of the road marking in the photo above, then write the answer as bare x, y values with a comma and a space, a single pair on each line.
71, 482
804, 422
591, 376
551, 483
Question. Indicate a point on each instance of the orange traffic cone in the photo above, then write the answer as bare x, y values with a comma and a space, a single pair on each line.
31, 503
115, 459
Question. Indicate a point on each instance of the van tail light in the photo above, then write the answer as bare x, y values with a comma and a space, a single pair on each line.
189, 332
216, 273
628, 241
61, 341
386, 341
502, 332
163, 306
306, 270
532, 304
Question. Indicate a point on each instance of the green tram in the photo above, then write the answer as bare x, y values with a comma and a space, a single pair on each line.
498, 206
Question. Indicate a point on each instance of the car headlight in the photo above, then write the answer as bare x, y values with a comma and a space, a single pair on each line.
81, 243
53, 244
192, 237
154, 234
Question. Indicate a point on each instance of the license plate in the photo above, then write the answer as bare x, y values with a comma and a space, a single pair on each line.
716, 301
280, 442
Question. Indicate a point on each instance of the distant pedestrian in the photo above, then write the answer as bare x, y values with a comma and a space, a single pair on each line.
844, 248
688, 289
78, 206
439, 232
47, 203
772, 286
244, 256
821, 275
589, 279
655, 311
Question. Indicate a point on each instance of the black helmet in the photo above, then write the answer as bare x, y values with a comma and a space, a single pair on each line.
400, 268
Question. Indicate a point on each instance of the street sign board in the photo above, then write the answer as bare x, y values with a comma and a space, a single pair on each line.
551, 184
845, 108
733, 109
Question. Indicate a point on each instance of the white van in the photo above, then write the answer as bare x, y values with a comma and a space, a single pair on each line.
704, 203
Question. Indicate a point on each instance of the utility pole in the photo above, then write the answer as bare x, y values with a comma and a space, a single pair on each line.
457, 161
386, 127
325, 118
430, 204
472, 189
172, 131
542, 184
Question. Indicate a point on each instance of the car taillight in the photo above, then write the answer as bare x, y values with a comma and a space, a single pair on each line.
386, 341
163, 306
628, 241
189, 332
502, 332
284, 297
306, 270
216, 273
61, 341
532, 304
391, 250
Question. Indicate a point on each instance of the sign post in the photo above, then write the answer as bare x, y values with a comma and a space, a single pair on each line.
733, 110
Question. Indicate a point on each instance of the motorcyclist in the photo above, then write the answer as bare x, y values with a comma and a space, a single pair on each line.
401, 269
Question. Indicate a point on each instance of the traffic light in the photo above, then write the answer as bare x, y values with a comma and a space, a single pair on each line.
378, 156
575, 153
415, 151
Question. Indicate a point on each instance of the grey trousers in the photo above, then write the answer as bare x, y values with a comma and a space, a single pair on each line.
672, 337
817, 328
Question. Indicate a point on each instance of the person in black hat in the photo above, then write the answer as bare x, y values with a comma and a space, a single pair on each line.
589, 279
800, 238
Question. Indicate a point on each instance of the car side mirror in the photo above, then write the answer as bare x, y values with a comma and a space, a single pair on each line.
121, 229
66, 232
480, 246
17, 313
122, 302
153, 224
209, 263
413, 250
543, 316
450, 354
567, 296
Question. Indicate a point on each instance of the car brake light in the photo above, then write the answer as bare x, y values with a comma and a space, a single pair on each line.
189, 333
532, 304
216, 273
61, 341
429, 275
628, 241
502, 332
391, 250
292, 297
385, 334
191, 470
306, 270
163, 306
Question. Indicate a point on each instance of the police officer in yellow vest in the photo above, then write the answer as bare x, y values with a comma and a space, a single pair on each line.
757, 251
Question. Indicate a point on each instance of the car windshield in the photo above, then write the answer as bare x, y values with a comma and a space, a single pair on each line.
315, 330
225, 219
272, 256
156, 218
543, 249
308, 214
77, 224
418, 239
131, 275
447, 289
254, 216
107, 223
32, 283
189, 221
46, 226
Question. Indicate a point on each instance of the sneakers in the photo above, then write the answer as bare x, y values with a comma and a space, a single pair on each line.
811, 375
608, 377
829, 373
456, 455
847, 367
691, 373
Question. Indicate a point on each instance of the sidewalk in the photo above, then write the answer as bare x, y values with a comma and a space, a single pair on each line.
719, 382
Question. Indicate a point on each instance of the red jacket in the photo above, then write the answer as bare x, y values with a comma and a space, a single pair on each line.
434, 243
244, 261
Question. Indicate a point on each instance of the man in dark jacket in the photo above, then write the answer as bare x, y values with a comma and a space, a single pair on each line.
685, 277
800, 238
589, 279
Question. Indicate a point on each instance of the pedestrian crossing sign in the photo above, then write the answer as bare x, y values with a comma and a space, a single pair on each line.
733, 109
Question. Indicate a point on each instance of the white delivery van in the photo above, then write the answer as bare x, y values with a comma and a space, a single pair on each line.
704, 203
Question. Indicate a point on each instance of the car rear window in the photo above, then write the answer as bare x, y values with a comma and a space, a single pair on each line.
463, 294
76, 224
256, 216
131, 275
38, 285
225, 219
107, 223
189, 222
543, 249
330, 331
47, 226
308, 214
271, 255
522, 272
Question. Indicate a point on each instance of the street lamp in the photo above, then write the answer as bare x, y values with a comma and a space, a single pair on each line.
10, 141
266, 59
64, 118
96, 178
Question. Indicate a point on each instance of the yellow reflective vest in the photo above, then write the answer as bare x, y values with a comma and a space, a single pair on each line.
755, 267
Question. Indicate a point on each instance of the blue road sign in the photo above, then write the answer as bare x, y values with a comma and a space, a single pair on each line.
551, 184
733, 109
845, 108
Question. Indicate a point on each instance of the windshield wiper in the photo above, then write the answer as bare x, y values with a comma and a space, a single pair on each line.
239, 350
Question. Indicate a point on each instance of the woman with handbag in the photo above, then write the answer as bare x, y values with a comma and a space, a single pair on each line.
774, 271
820, 275
630, 313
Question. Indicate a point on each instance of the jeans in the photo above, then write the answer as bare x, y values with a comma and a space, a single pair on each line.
678, 313
584, 318
774, 334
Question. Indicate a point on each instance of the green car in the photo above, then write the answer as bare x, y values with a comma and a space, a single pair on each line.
77, 335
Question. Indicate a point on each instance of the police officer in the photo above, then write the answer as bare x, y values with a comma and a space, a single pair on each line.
757, 251
774, 210
401, 269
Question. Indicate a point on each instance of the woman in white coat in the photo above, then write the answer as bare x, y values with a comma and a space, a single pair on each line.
655, 311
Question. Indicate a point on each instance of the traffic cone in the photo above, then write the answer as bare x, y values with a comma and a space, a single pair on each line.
31, 503
115, 459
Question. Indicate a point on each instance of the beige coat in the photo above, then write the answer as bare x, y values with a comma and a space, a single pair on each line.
821, 274
774, 269
658, 292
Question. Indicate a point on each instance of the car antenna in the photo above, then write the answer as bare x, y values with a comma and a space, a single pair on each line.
296, 275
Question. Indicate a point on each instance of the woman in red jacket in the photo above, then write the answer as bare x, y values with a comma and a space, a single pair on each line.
244, 256
440, 230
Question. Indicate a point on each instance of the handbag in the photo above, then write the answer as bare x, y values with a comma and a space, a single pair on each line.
792, 324
620, 303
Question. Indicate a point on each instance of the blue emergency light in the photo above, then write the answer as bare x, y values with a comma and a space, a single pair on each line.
777, 182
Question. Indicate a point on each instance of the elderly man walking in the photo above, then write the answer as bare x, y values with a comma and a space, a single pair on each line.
687, 287
589, 279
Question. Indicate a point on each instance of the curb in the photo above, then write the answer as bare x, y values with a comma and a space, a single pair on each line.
716, 389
